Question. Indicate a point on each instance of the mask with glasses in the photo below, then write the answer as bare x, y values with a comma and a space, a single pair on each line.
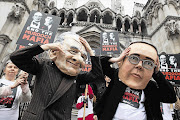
148, 64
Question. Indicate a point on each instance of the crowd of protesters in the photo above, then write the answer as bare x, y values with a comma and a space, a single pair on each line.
130, 93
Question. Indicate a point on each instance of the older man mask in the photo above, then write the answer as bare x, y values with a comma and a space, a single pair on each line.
74, 56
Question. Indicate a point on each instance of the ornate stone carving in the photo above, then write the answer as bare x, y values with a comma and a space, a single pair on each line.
17, 13
172, 28
35, 2
4, 39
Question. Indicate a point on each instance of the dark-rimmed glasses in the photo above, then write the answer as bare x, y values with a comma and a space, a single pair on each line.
148, 64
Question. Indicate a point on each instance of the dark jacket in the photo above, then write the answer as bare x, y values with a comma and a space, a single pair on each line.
54, 91
155, 92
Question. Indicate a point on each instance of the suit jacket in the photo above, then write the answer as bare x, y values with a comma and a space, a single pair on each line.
54, 91
155, 92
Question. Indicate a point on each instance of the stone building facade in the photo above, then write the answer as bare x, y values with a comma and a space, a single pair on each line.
157, 22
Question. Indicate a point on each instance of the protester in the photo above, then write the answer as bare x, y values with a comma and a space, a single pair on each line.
56, 78
12, 92
89, 105
131, 95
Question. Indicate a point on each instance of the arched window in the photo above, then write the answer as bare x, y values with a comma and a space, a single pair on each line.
62, 18
46, 11
54, 13
119, 25
127, 26
82, 16
95, 17
143, 28
135, 27
69, 19
107, 19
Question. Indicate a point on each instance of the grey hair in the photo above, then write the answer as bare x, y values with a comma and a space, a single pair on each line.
61, 37
5, 64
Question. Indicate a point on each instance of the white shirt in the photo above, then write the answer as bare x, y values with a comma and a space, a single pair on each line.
166, 111
88, 110
128, 112
35, 24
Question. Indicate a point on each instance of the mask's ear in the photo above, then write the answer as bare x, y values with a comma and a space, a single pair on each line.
52, 55
120, 64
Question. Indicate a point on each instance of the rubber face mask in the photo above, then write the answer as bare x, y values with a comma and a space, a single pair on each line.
74, 58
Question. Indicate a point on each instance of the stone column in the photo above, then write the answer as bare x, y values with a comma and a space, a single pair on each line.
131, 27
123, 26
65, 20
75, 18
114, 22
88, 19
139, 27
95, 18
101, 19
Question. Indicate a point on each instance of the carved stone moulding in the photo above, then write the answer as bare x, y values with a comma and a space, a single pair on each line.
172, 28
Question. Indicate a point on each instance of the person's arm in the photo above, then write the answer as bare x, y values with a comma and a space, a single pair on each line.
96, 71
87, 46
90, 92
25, 58
80, 103
107, 61
121, 57
165, 90
5, 91
26, 93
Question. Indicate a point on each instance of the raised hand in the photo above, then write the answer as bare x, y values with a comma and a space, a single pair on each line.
121, 57
24, 75
95, 117
53, 47
87, 46
19, 81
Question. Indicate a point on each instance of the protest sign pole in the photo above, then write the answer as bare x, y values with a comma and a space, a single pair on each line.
86, 90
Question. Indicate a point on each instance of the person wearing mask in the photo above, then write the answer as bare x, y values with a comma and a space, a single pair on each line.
131, 94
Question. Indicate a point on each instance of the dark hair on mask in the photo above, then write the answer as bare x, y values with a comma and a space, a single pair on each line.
144, 43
